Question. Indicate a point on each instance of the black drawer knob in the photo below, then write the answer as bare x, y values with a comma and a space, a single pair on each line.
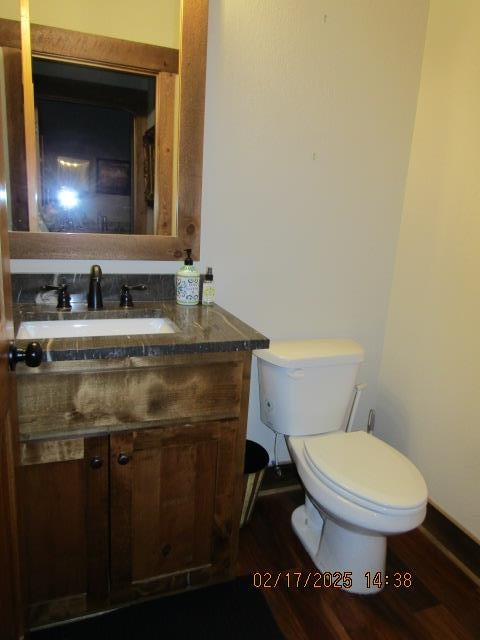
123, 459
96, 462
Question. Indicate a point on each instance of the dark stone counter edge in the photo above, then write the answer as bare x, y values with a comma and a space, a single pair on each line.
199, 329
106, 353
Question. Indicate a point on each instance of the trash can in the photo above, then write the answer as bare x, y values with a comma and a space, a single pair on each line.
256, 459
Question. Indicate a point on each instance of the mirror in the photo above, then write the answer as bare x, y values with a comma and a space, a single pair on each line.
95, 139
70, 173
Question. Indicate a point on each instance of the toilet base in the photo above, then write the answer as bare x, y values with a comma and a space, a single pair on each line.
334, 548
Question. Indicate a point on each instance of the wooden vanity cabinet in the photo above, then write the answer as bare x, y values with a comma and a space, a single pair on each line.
173, 506
65, 498
140, 511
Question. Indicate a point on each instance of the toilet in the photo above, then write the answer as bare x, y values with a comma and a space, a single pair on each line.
358, 489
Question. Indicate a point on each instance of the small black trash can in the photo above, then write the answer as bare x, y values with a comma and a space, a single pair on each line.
256, 459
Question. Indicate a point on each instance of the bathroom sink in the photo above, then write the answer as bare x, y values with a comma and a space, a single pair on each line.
94, 327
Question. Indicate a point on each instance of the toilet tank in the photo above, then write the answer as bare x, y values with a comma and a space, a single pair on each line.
306, 386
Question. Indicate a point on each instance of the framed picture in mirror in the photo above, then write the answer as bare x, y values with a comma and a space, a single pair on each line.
113, 177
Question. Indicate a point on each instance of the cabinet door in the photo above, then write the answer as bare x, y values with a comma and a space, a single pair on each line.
11, 618
65, 517
174, 507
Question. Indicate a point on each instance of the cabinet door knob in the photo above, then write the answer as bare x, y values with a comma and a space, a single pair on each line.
96, 462
123, 459
31, 356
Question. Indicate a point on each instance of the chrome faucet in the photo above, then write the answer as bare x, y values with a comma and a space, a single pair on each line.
94, 298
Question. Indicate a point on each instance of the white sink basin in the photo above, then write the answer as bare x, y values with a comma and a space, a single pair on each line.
95, 327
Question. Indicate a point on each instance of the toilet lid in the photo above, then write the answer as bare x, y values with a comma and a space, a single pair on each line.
367, 469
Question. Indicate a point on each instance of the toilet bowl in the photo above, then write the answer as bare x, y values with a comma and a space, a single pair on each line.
348, 511
358, 489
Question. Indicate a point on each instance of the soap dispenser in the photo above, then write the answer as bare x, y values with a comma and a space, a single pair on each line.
188, 282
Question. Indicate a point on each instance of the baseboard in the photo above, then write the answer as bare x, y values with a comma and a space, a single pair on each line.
453, 538
286, 480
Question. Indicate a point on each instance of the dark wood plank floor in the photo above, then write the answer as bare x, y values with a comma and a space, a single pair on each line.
441, 604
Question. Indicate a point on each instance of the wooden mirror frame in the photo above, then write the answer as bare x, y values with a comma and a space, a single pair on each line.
192, 66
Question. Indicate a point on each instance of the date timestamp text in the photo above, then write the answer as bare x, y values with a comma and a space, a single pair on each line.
398, 580
329, 580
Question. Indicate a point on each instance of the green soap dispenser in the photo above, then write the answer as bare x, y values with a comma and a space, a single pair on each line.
187, 282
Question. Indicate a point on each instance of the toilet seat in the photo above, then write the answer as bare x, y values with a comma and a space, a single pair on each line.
366, 471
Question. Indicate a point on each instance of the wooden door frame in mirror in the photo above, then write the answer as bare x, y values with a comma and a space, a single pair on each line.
192, 66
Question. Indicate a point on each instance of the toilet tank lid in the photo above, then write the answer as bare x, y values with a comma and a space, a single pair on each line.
294, 354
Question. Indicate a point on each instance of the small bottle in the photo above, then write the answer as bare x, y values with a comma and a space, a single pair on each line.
208, 289
188, 282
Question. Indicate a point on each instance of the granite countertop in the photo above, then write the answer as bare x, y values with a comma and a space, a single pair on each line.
200, 329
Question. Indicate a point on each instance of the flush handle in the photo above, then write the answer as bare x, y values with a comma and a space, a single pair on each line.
31, 356
296, 374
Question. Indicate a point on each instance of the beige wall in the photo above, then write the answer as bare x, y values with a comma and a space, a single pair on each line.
10, 9
309, 116
151, 21
429, 396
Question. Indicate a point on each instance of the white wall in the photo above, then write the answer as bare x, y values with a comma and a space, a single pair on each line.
309, 115
310, 109
428, 402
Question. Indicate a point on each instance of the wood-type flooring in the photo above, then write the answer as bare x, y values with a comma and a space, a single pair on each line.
442, 603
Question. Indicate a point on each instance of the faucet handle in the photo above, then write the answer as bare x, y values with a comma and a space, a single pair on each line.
63, 303
125, 295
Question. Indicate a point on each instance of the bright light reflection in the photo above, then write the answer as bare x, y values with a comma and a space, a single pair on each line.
68, 198
66, 163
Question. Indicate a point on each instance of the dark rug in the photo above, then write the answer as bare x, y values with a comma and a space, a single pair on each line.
227, 611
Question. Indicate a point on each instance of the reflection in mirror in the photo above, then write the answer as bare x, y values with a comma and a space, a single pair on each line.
99, 129
88, 123
154, 22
